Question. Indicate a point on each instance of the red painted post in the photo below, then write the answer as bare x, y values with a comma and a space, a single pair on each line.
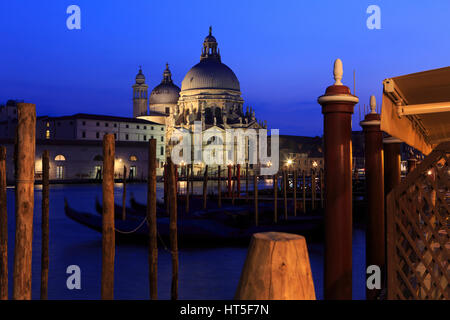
337, 107
392, 169
375, 236
238, 176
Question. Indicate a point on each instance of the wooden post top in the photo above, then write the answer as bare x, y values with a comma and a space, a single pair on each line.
277, 236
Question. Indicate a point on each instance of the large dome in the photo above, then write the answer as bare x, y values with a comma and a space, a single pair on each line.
210, 74
166, 92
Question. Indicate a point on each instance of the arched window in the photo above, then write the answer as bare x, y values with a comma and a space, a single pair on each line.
98, 158
60, 157
133, 158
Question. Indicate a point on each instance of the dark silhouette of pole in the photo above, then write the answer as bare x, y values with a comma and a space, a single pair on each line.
187, 188
124, 194
304, 191
255, 197
151, 220
375, 234
3, 228
219, 188
45, 225
285, 194
173, 229
275, 197
295, 192
205, 187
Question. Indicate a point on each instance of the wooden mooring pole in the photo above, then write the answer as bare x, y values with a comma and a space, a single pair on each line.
229, 181
219, 188
246, 180
337, 107
124, 194
304, 191
277, 267
313, 189
26, 144
238, 177
375, 233
205, 187
285, 194
275, 197
295, 192
255, 196
3, 228
187, 188
151, 220
322, 187
45, 224
108, 232
233, 185
173, 229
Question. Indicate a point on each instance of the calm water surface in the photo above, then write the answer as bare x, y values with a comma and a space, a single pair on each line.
211, 273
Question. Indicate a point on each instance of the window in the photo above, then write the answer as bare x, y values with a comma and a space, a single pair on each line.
127, 126
151, 137
152, 128
162, 128
137, 127
162, 138
71, 123
115, 125
97, 135
167, 110
83, 134
126, 137
84, 123
98, 158
47, 134
106, 124
162, 151
60, 157
98, 124
115, 136
145, 127
133, 158
59, 124
48, 124
145, 137
59, 172
133, 172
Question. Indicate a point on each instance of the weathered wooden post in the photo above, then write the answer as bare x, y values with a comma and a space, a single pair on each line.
255, 196
151, 220
337, 107
173, 229
219, 188
205, 186
166, 188
45, 224
124, 194
246, 180
295, 192
285, 194
3, 228
321, 188
276, 268
233, 185
275, 197
238, 177
375, 235
229, 181
313, 189
304, 191
108, 233
187, 189
26, 144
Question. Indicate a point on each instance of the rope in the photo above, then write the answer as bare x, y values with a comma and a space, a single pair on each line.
132, 231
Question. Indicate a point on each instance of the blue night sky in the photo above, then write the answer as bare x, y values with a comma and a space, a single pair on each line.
281, 51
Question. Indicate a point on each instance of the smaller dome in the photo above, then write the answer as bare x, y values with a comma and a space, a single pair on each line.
166, 92
140, 78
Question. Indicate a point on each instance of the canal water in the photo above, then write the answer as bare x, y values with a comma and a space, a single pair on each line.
204, 273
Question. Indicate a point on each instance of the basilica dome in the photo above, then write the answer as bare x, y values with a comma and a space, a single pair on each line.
210, 72
166, 92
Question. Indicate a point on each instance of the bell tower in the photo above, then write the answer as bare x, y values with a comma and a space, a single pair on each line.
140, 95
210, 49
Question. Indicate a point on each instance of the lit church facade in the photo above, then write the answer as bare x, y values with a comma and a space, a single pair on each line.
210, 93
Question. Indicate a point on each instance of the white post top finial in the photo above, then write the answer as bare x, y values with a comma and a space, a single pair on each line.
373, 105
338, 72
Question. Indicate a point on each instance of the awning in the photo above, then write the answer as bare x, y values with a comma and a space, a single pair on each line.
416, 108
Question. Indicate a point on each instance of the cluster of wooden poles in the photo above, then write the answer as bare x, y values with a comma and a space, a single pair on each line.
295, 180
